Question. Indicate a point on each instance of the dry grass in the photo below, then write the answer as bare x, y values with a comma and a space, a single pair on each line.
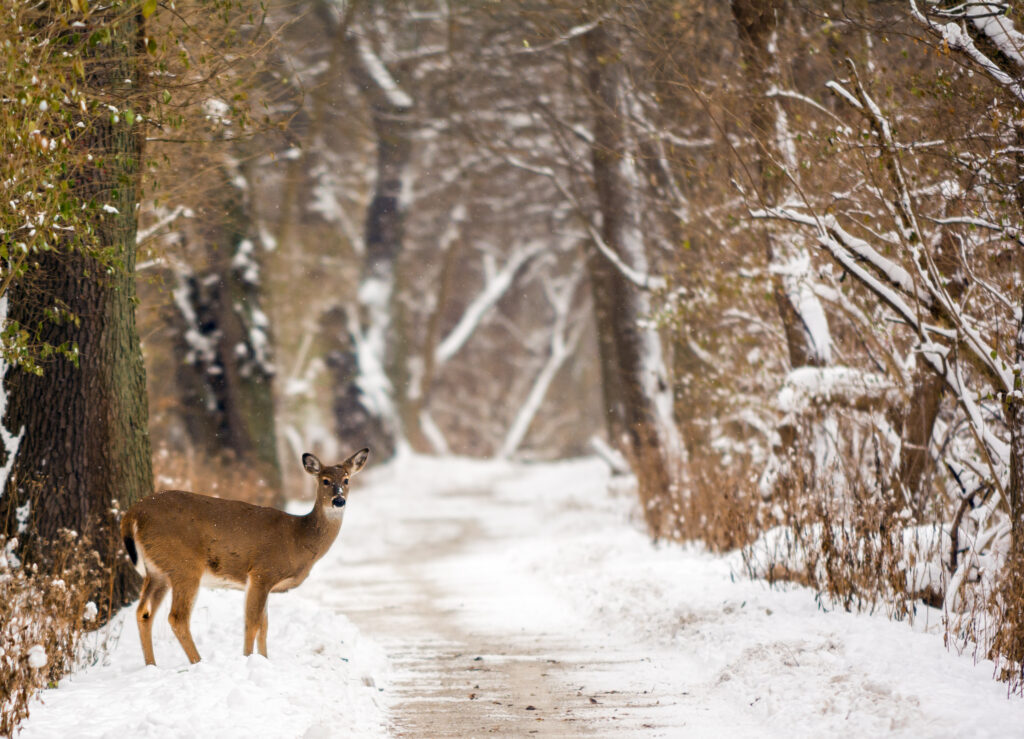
849, 546
1007, 605
44, 610
221, 476
720, 506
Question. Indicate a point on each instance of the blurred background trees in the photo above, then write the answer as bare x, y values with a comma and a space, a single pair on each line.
765, 254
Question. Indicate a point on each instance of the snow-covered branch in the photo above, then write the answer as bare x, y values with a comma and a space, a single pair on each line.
850, 253
846, 387
563, 344
957, 38
382, 87
144, 234
496, 285
640, 279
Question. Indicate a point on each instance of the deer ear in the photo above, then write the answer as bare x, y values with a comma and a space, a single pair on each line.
311, 463
357, 461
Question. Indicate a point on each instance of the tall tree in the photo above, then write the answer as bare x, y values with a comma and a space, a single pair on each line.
757, 21
226, 378
638, 378
86, 443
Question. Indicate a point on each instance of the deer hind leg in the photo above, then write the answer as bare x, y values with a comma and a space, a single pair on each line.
153, 591
183, 597
255, 616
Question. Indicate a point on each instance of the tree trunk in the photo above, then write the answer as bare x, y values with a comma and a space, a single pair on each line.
603, 295
638, 377
373, 364
86, 441
757, 22
228, 391
1015, 420
918, 422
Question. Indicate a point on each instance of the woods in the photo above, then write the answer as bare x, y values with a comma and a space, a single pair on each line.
765, 255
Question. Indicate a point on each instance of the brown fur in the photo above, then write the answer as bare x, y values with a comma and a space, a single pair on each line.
181, 537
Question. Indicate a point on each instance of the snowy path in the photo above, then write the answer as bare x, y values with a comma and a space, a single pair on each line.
538, 572
471, 598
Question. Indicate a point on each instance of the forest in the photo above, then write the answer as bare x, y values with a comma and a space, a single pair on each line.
762, 258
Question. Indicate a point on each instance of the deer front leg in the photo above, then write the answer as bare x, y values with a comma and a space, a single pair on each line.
183, 597
153, 591
255, 615
261, 634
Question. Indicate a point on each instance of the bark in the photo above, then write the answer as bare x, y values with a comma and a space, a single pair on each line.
228, 394
638, 387
86, 442
373, 365
757, 23
1015, 420
919, 417
603, 294
351, 418
928, 387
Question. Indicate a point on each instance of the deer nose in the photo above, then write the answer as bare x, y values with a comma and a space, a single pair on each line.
338, 501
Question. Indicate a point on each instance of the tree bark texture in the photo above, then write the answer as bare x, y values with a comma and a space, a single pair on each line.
374, 363
757, 22
1015, 420
638, 377
918, 422
228, 398
86, 443
603, 293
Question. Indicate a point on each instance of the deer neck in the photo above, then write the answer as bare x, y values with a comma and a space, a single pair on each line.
321, 527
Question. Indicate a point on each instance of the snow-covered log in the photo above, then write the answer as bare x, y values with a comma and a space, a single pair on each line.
844, 387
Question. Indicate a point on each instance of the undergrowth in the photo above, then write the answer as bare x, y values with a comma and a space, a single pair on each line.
220, 476
718, 507
45, 608
848, 533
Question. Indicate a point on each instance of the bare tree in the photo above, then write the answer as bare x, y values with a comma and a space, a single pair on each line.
651, 439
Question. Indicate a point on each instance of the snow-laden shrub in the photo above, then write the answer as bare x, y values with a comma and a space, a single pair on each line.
44, 610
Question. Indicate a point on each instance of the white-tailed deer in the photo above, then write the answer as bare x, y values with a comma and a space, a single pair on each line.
180, 540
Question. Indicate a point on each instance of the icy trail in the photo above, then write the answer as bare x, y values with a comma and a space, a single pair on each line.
469, 598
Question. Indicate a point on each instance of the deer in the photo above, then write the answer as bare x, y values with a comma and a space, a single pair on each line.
179, 540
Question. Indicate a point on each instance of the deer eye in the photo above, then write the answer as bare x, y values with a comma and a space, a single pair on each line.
326, 481
345, 481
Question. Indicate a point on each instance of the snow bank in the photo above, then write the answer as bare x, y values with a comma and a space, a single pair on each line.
547, 555
322, 679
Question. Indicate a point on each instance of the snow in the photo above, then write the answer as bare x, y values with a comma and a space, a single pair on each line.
37, 656
846, 386
725, 656
9, 440
992, 21
322, 678
672, 640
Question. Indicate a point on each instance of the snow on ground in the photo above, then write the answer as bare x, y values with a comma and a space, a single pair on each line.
322, 678
542, 566
556, 556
